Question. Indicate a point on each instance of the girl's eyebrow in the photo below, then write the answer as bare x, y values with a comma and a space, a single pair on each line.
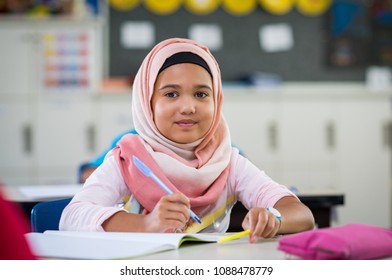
203, 86
177, 86
169, 86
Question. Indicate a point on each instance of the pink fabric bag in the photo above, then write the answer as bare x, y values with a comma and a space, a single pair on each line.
349, 242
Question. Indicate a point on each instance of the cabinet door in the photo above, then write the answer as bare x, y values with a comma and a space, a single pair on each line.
16, 149
19, 48
65, 137
364, 161
113, 117
252, 121
306, 148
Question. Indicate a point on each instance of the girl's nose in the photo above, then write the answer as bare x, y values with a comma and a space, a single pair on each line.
187, 106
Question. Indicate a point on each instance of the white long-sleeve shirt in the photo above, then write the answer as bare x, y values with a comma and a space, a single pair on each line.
105, 189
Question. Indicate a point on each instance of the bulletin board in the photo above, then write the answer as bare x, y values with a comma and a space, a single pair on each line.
240, 53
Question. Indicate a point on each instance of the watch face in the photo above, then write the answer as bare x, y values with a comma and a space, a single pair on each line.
275, 212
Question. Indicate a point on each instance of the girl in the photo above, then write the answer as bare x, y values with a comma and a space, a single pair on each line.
183, 137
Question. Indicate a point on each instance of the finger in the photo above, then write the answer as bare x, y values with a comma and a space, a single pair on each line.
174, 209
167, 219
271, 227
179, 198
168, 213
179, 211
259, 222
254, 222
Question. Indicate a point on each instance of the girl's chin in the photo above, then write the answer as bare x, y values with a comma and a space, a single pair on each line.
184, 140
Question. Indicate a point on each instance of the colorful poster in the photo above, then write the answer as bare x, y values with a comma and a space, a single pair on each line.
67, 60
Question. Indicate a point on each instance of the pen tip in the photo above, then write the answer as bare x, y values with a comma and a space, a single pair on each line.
198, 220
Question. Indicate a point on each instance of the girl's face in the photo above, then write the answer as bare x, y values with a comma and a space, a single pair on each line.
183, 102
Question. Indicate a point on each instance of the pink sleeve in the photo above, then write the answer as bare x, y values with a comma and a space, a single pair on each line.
97, 200
253, 187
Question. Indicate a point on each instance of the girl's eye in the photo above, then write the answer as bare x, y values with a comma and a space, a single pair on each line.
201, 94
171, 94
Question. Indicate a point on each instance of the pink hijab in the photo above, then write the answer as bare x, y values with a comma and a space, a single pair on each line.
198, 169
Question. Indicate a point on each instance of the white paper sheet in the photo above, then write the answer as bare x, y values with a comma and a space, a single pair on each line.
137, 35
209, 35
276, 37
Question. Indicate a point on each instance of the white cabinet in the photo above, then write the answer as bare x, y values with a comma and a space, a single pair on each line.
47, 130
290, 136
44, 141
65, 137
306, 149
364, 160
252, 121
16, 154
18, 78
19, 52
330, 137
113, 116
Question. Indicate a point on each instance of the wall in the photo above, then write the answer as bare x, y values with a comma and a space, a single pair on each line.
241, 53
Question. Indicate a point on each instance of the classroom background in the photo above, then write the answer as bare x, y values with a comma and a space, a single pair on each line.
307, 84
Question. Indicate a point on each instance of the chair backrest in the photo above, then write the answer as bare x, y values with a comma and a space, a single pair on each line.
46, 215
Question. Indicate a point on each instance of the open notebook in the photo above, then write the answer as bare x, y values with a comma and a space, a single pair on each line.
108, 245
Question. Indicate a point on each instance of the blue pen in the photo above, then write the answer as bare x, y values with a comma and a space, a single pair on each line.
148, 172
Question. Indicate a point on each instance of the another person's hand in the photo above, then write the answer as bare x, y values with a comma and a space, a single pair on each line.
170, 214
261, 223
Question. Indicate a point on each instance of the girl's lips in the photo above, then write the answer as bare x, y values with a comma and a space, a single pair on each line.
186, 123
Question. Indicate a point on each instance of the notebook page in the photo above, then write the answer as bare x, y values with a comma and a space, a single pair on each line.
84, 247
172, 239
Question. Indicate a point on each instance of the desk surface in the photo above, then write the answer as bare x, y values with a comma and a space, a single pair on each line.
239, 249
38, 193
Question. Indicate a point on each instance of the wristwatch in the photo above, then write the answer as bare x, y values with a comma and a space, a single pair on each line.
275, 212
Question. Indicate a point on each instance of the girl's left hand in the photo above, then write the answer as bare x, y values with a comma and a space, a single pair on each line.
261, 223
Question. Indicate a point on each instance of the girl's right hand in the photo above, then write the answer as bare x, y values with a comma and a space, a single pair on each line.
169, 214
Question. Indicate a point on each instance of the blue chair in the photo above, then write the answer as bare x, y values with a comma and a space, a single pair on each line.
46, 215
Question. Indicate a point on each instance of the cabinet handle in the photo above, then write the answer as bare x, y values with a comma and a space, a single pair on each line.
387, 133
27, 136
330, 135
90, 136
273, 136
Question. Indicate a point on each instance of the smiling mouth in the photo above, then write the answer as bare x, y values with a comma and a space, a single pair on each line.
186, 123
